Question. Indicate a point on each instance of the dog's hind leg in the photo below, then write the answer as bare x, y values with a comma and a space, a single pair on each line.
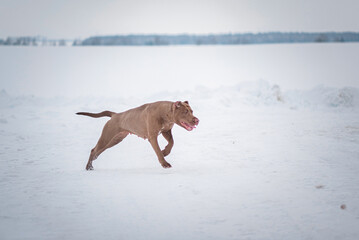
110, 137
96, 151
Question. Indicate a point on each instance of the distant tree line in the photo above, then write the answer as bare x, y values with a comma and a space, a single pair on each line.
190, 39
34, 41
221, 39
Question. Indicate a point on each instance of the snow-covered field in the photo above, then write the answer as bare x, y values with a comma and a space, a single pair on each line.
271, 159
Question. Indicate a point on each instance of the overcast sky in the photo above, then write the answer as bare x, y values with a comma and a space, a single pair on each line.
83, 18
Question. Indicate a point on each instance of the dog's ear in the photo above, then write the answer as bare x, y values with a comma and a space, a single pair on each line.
186, 102
177, 104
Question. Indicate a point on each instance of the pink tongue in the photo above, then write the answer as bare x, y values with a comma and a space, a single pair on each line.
188, 127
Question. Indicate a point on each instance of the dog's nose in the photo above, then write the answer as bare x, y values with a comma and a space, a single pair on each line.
195, 121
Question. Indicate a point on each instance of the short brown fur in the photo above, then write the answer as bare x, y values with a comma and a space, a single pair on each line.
147, 121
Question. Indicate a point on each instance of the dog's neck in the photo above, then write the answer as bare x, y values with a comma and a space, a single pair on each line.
171, 114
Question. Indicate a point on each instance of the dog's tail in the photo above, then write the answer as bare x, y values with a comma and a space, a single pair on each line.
97, 115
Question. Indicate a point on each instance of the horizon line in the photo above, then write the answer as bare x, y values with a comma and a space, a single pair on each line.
175, 34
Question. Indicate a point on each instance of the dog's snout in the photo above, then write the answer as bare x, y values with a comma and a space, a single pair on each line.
195, 121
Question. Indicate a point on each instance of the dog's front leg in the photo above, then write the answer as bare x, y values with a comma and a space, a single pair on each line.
156, 147
168, 136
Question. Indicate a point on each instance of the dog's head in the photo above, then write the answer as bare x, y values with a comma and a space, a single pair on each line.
183, 115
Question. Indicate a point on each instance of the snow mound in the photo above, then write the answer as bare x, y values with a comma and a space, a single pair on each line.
263, 93
260, 92
8, 101
251, 93
344, 97
4, 98
322, 96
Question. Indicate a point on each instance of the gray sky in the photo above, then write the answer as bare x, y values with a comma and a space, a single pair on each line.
83, 18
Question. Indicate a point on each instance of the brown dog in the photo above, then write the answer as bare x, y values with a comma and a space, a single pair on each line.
147, 121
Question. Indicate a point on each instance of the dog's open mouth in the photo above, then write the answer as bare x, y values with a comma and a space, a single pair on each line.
187, 126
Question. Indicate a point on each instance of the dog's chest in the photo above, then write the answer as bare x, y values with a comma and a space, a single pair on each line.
166, 127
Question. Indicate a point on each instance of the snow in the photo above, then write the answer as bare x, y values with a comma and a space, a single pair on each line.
265, 162
143, 71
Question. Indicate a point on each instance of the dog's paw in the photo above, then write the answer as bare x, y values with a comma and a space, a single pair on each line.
165, 164
165, 153
89, 167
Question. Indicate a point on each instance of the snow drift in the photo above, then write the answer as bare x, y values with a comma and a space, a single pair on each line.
253, 169
251, 93
265, 162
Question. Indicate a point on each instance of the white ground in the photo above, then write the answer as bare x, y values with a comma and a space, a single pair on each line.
263, 164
